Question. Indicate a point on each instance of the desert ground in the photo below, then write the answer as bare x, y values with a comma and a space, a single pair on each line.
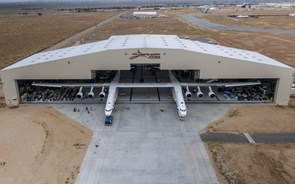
258, 163
279, 47
56, 157
256, 119
275, 46
254, 163
23, 35
172, 24
274, 18
48, 144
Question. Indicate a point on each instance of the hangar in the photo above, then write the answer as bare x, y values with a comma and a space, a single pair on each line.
173, 68
144, 14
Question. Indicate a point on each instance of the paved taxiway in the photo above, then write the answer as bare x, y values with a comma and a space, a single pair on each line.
145, 145
209, 25
270, 138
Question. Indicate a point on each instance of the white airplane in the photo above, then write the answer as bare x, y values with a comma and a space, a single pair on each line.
178, 96
112, 96
175, 85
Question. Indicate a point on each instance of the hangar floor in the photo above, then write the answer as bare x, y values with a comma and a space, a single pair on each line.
145, 145
158, 95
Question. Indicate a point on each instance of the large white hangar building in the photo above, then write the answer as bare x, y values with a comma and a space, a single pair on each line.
188, 69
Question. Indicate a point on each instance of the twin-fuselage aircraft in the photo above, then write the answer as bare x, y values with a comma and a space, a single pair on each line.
175, 86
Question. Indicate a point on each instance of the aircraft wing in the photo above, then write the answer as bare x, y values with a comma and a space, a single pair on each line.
145, 85
119, 85
228, 84
70, 85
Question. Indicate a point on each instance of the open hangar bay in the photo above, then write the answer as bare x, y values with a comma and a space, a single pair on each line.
147, 68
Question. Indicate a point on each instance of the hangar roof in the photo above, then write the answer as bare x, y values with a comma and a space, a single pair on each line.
144, 13
147, 41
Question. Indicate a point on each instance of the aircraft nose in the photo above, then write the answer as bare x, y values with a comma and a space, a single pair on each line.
182, 113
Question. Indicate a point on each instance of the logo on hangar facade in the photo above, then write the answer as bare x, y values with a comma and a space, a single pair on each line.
146, 55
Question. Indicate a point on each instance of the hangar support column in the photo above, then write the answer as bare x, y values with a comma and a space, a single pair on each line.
11, 92
283, 90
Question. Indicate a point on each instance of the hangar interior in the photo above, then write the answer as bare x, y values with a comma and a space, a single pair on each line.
145, 59
147, 73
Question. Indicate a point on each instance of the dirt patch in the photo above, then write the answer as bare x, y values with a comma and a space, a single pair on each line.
276, 46
38, 145
171, 25
23, 35
259, 163
256, 118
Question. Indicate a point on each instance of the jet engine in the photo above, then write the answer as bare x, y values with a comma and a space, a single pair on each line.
188, 94
80, 93
102, 94
200, 93
91, 93
211, 94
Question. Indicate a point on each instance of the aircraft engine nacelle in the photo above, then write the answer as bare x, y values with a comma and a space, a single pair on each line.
188, 94
200, 94
91, 93
80, 93
102, 94
211, 94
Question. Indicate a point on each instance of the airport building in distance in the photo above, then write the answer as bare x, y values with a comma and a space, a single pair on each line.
149, 68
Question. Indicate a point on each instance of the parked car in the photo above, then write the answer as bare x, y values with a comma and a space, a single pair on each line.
108, 120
